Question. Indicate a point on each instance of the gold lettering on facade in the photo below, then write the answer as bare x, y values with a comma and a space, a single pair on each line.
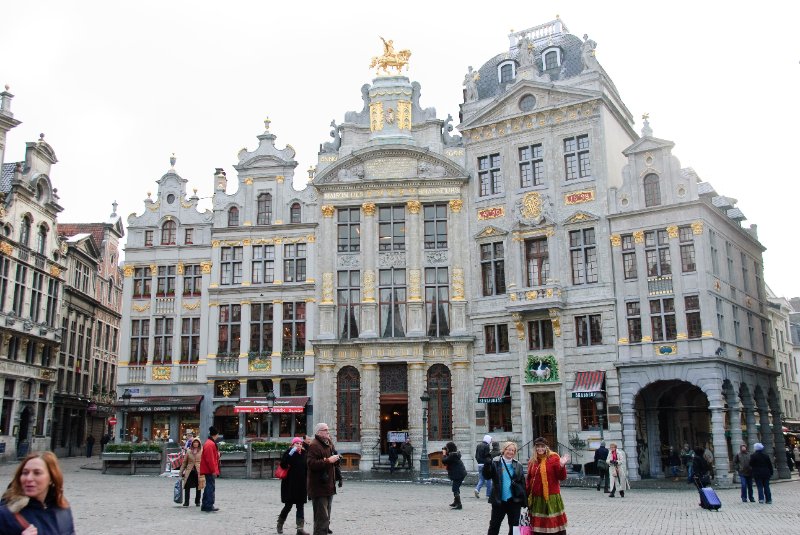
578, 197
491, 213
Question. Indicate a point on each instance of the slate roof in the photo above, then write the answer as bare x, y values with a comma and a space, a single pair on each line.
8, 175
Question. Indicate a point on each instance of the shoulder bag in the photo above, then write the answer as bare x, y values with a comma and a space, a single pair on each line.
281, 472
517, 490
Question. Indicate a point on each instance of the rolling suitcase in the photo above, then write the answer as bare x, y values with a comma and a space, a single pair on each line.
708, 498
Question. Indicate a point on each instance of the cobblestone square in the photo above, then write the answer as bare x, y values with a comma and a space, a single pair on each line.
128, 505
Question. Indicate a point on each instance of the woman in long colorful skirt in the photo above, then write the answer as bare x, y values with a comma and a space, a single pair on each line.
545, 506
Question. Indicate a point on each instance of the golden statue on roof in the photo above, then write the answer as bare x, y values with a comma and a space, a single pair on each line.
390, 58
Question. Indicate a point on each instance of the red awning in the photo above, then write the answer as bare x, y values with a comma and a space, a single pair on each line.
494, 390
280, 405
587, 384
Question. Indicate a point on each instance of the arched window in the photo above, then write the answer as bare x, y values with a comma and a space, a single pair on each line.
168, 231
551, 58
25, 231
506, 72
39, 192
348, 396
652, 190
264, 209
111, 290
233, 217
294, 213
41, 239
440, 406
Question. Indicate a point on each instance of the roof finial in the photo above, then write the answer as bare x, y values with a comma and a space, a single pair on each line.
172, 160
41, 137
646, 130
266, 123
8, 87
114, 211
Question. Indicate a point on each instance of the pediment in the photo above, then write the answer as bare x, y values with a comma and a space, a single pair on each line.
490, 232
648, 143
506, 106
86, 245
390, 163
263, 162
580, 217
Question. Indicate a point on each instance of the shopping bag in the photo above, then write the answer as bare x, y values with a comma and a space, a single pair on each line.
524, 527
177, 491
281, 472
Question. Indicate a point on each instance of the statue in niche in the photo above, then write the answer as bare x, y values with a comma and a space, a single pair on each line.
587, 54
471, 85
447, 139
333, 146
352, 173
429, 170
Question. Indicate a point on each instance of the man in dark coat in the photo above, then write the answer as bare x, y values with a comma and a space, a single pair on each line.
600, 456
103, 441
761, 466
407, 449
322, 462
741, 463
89, 445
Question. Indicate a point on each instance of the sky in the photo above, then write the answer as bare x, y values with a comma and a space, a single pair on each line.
118, 87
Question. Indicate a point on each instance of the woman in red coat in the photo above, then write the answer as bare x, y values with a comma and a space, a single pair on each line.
545, 507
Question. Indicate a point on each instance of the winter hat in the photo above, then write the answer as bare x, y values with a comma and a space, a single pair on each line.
541, 441
296, 440
758, 446
487, 439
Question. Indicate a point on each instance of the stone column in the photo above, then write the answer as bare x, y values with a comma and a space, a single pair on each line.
325, 394
738, 436
782, 469
326, 268
653, 444
369, 275
280, 276
311, 259
721, 464
629, 441
415, 240
279, 206
416, 386
750, 422
462, 406
311, 322
370, 413
458, 255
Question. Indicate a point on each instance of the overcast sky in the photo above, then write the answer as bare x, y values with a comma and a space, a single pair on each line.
117, 89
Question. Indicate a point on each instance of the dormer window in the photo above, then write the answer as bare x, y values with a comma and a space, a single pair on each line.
39, 192
551, 58
233, 217
652, 190
264, 209
168, 232
294, 213
41, 242
25, 231
506, 72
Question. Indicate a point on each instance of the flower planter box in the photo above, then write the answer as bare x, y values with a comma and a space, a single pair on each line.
263, 463
146, 462
233, 464
116, 463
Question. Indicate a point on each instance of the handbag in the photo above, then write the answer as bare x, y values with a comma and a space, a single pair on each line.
602, 465
176, 492
281, 472
517, 490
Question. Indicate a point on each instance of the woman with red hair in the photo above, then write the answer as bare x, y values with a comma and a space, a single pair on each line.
545, 507
34, 503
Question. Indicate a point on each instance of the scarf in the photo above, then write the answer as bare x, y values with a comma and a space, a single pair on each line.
542, 465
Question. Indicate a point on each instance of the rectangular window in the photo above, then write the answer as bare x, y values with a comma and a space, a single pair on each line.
19, 289
489, 176
5, 264
294, 327
392, 228
736, 326
8, 406
662, 320
745, 273
765, 336
496, 338
294, 262
537, 262
628, 257
540, 334
188, 236
720, 318
140, 336
348, 230
190, 340
686, 239
263, 264
656, 243
694, 327
230, 330
261, 318
162, 352
590, 416
583, 253
230, 266
588, 330
576, 157
435, 226
392, 301
531, 166
192, 280
142, 279
500, 416
437, 301
712, 240
633, 314
148, 238
165, 281
751, 331
51, 308
36, 296
729, 260
493, 273
348, 300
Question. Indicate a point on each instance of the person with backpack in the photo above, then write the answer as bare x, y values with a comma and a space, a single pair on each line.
482, 456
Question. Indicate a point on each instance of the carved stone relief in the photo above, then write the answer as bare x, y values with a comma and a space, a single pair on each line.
348, 261
435, 257
395, 259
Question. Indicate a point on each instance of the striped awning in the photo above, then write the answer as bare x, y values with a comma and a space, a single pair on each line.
587, 384
494, 390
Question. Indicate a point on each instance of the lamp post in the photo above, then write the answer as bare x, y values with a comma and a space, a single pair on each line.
600, 404
271, 401
424, 471
126, 399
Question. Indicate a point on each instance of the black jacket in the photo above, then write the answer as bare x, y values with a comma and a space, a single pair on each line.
494, 470
482, 453
600, 453
761, 464
49, 521
455, 466
293, 487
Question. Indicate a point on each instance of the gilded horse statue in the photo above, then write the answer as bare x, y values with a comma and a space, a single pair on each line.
390, 58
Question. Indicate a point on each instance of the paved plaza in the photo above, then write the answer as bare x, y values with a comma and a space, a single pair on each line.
128, 505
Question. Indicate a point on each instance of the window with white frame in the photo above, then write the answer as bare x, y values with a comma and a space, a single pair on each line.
551, 58
576, 157
506, 72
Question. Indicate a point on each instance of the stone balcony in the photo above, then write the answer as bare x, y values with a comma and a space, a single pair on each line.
536, 298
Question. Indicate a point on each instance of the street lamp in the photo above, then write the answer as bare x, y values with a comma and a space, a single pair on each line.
600, 404
126, 399
271, 401
424, 469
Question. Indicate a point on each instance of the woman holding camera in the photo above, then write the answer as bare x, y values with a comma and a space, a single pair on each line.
617, 471
456, 471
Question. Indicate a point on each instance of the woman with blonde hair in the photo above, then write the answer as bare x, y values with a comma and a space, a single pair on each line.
508, 495
617, 471
34, 503
545, 506
190, 473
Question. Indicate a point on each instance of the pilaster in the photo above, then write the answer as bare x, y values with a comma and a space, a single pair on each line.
370, 412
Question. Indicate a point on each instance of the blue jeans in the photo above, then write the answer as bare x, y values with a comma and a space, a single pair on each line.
208, 493
482, 482
747, 487
762, 484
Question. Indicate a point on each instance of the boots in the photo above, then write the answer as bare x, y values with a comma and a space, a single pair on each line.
186, 492
455, 499
612, 494
281, 520
457, 502
300, 530
197, 497
622, 494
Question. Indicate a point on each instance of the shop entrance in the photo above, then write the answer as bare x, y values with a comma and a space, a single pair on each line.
394, 417
393, 400
543, 417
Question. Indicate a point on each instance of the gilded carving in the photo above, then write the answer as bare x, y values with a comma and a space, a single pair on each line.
279, 179
141, 308
368, 208
672, 231
155, 206
413, 207
179, 268
369, 286
248, 181
616, 240
458, 284
404, 115
638, 236
577, 197
327, 288
128, 270
622, 341
414, 279
328, 210
153, 269
376, 116
555, 319
191, 306
456, 205
6, 248
491, 213
531, 295
517, 318
162, 373
55, 271
390, 58
697, 227
708, 334
205, 267
646, 339
311, 238
214, 243
532, 205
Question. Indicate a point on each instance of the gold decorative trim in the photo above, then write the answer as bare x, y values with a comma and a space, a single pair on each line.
458, 284
328, 210
414, 280
647, 339
697, 227
616, 240
128, 270
532, 205
327, 288
277, 301
404, 115
248, 181
141, 308
205, 267
191, 306
622, 341
707, 334
213, 304
279, 221
276, 281
376, 116
672, 231
578, 197
279, 179
456, 205
153, 270
247, 224
214, 243
492, 212
245, 283
55, 271
368, 208
155, 206
310, 300
413, 207
555, 320
517, 319
247, 242
246, 302
681, 336
664, 350
179, 268
311, 238
6, 249
638, 236
213, 285
162, 373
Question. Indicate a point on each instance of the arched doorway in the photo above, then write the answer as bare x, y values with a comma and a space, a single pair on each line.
669, 413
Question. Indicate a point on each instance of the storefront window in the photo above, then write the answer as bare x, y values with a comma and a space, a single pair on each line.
292, 425
134, 431
227, 422
190, 422
160, 427
257, 425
